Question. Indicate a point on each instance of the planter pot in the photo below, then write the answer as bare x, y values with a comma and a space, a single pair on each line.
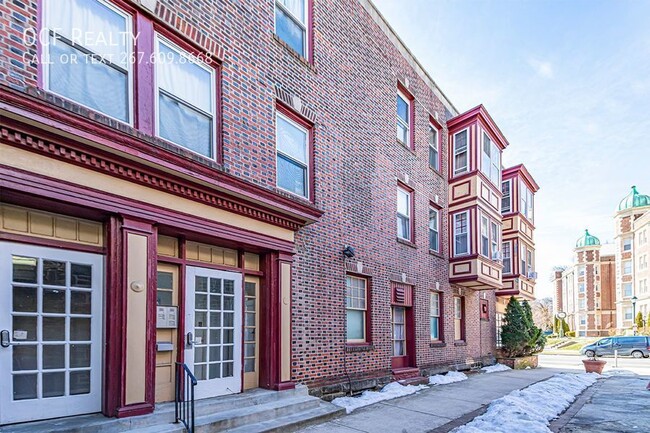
520, 363
594, 365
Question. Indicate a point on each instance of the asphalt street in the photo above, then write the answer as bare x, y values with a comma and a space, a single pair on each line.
574, 362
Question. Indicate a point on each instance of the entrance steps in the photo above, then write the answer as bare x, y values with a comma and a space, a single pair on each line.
257, 410
409, 376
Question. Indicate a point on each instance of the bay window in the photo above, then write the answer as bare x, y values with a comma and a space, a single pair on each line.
526, 201
506, 202
627, 267
434, 316
356, 305
461, 152
490, 234
291, 24
494, 240
507, 261
461, 233
88, 52
292, 148
185, 99
434, 148
404, 212
491, 160
434, 229
403, 119
526, 261
485, 237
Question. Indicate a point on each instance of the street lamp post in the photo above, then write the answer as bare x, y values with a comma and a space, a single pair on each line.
561, 315
634, 330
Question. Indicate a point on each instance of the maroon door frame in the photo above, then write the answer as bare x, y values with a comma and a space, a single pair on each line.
407, 360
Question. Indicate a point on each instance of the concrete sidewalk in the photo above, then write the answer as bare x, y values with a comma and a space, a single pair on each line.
618, 404
437, 409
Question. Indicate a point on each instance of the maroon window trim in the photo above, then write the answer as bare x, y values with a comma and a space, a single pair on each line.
368, 314
309, 126
411, 99
410, 191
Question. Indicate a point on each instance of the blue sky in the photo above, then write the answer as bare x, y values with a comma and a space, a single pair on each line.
568, 83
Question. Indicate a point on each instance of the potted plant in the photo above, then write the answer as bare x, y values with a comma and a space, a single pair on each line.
593, 365
521, 340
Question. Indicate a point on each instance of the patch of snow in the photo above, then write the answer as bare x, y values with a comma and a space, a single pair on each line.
619, 372
495, 368
530, 410
450, 377
388, 392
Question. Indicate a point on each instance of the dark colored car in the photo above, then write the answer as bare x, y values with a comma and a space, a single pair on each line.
638, 347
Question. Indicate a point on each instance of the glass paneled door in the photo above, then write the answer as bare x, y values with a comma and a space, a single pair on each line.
213, 330
51, 332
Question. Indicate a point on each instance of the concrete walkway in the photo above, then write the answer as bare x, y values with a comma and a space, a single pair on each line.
618, 404
437, 409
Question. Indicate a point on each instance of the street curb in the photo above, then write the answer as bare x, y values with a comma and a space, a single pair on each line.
565, 417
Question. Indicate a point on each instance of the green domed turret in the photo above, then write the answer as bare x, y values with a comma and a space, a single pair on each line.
587, 240
634, 199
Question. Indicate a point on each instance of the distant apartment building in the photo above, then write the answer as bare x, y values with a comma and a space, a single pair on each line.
608, 284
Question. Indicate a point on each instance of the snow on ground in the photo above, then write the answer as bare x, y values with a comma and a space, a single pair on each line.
450, 377
619, 372
529, 410
389, 392
394, 390
495, 368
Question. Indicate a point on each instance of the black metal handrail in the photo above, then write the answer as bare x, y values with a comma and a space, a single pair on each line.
185, 383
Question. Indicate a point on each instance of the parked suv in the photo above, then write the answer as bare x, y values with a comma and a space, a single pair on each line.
638, 347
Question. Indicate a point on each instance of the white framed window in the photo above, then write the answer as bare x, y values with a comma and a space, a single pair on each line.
404, 212
627, 244
581, 270
485, 236
507, 260
581, 287
434, 148
529, 262
185, 99
97, 36
461, 233
403, 119
643, 286
583, 320
356, 304
627, 267
526, 256
494, 240
461, 152
627, 290
292, 148
491, 160
526, 201
506, 200
582, 304
291, 24
434, 229
643, 262
434, 316
459, 325
628, 314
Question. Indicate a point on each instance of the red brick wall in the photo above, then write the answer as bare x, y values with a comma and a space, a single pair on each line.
351, 89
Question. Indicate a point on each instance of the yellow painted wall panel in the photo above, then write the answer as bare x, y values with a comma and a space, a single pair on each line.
15, 219
41, 224
167, 246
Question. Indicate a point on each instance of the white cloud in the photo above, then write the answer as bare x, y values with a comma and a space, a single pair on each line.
541, 68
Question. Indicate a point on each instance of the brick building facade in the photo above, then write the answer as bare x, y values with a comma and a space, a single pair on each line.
250, 150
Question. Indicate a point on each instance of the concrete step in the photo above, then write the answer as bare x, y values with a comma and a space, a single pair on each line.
288, 423
418, 380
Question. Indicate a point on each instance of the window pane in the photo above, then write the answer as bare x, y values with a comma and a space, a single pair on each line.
403, 227
292, 176
184, 79
291, 140
434, 322
289, 31
403, 202
184, 126
24, 269
355, 325
402, 133
24, 299
402, 109
93, 84
80, 275
296, 7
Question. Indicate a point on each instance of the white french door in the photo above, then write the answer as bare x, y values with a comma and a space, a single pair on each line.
213, 326
51, 332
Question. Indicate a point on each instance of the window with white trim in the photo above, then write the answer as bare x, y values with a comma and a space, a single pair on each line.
627, 290
627, 267
292, 145
629, 315
434, 148
485, 237
434, 229
491, 160
98, 36
643, 262
434, 316
461, 152
507, 261
356, 306
185, 100
526, 261
404, 212
627, 244
291, 24
506, 200
581, 270
461, 233
581, 287
526, 201
403, 119
582, 304
495, 234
